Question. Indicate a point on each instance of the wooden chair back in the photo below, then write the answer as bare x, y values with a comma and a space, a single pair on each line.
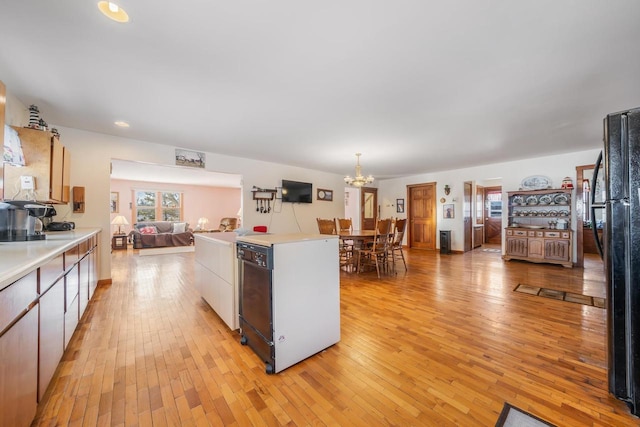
326, 226
398, 232
344, 224
383, 235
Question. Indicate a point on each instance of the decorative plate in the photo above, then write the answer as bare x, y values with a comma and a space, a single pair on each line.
561, 199
535, 182
532, 200
545, 199
518, 200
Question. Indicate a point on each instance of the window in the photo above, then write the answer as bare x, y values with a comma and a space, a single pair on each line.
158, 206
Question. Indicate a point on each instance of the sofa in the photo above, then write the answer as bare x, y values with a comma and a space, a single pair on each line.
159, 234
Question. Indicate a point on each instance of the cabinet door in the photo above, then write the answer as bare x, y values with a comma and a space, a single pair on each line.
19, 371
71, 304
66, 175
57, 161
536, 248
557, 250
51, 334
83, 288
516, 246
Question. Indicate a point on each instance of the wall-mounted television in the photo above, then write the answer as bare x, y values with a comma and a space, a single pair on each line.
296, 192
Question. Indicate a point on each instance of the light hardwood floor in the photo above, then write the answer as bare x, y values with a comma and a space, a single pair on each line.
445, 344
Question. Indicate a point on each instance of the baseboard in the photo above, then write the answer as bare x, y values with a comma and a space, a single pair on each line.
167, 250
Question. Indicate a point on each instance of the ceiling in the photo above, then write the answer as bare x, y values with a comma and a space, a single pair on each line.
414, 85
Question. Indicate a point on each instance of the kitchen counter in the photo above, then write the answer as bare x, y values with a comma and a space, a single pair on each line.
272, 239
19, 258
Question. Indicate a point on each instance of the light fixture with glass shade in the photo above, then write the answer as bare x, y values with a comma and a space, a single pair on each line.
120, 221
359, 180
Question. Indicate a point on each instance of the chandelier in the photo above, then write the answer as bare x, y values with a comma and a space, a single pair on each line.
359, 180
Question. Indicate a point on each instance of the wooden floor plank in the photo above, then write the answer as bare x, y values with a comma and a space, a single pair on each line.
446, 343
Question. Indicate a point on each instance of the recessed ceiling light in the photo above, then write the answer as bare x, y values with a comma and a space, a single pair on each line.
121, 124
113, 11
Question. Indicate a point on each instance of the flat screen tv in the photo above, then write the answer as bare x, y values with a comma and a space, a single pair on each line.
296, 192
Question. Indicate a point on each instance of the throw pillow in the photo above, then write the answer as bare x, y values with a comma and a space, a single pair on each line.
179, 227
149, 229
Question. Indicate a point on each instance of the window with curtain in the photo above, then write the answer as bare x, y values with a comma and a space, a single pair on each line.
158, 206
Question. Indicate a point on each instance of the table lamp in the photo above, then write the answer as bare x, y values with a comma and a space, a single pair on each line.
202, 222
120, 221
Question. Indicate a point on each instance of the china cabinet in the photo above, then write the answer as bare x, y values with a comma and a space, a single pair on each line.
539, 226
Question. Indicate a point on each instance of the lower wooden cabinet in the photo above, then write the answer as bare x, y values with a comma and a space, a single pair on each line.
38, 315
19, 370
51, 333
548, 246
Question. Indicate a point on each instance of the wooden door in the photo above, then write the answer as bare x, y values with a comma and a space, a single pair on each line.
466, 216
493, 216
422, 216
368, 208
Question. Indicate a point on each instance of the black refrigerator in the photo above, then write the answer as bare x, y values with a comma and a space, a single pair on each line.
621, 252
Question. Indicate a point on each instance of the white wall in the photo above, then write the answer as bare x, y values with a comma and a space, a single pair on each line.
509, 174
91, 154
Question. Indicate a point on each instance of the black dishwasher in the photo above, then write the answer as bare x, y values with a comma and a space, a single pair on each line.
256, 294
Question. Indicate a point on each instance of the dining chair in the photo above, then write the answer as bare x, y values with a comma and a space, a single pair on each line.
345, 225
378, 254
396, 251
326, 226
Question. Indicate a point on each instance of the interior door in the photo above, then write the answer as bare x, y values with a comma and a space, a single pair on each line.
368, 208
493, 216
422, 216
466, 216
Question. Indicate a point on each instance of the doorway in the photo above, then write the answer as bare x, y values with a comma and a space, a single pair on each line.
466, 216
368, 208
493, 215
422, 216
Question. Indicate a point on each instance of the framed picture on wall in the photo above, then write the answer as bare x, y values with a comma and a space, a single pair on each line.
400, 205
326, 195
448, 211
114, 202
193, 159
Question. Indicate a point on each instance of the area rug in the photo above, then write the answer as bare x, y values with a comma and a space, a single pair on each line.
516, 417
492, 250
167, 250
561, 295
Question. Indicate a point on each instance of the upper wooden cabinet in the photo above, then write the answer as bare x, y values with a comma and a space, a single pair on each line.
47, 161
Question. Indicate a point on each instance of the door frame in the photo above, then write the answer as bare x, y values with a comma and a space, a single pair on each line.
493, 189
368, 224
579, 262
467, 216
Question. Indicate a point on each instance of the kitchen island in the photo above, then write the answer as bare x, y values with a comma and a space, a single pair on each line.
45, 286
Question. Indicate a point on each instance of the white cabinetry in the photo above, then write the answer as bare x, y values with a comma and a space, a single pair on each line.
216, 274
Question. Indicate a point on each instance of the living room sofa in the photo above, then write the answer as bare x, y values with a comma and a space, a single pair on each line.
159, 234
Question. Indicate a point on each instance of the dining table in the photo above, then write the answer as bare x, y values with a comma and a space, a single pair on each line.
359, 238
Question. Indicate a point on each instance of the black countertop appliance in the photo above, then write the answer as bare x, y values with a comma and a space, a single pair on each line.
20, 220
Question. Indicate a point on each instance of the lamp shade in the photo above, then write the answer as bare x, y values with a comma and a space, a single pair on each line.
119, 220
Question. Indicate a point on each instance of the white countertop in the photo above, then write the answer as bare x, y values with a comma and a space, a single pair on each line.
273, 239
20, 258
227, 236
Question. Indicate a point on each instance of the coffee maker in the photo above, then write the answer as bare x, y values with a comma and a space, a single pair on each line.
20, 220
